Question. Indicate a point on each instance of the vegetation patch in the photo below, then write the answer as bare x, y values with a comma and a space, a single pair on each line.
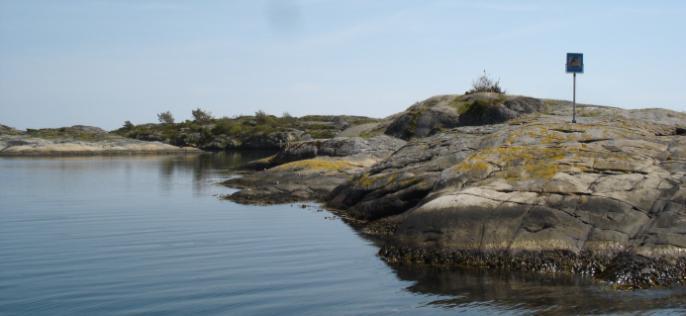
486, 84
78, 133
371, 133
317, 165
459, 104
228, 133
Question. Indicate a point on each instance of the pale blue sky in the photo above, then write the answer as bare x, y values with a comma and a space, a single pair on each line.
100, 62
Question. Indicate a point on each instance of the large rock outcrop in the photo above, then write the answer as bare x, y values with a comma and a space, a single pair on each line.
592, 197
447, 111
516, 186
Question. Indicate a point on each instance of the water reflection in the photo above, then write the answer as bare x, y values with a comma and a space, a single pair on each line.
461, 289
205, 169
101, 216
549, 294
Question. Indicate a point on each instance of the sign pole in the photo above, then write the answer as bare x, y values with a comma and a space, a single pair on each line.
575, 64
574, 101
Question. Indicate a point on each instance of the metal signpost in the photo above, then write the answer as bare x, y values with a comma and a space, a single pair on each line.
575, 64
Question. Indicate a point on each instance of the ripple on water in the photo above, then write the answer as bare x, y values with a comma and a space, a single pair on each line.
128, 235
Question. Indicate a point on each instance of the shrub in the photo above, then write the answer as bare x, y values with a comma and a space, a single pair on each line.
287, 118
201, 116
261, 117
485, 84
227, 127
127, 125
165, 118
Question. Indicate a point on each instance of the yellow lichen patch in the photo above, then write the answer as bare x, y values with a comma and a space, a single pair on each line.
473, 163
530, 162
317, 165
529, 153
549, 134
516, 162
408, 181
474, 167
368, 182
540, 151
543, 170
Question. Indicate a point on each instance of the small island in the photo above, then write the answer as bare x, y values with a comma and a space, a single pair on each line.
77, 140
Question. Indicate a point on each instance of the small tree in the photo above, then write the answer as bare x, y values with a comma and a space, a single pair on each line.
485, 84
201, 116
261, 117
165, 118
128, 125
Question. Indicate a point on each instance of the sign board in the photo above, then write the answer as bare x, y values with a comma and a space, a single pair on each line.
575, 63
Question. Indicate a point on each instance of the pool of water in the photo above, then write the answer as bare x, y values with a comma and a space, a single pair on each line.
150, 235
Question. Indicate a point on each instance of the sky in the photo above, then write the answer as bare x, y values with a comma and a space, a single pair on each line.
101, 62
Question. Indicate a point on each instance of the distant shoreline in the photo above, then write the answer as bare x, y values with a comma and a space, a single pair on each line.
79, 141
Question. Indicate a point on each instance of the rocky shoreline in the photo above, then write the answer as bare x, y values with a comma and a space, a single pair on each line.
310, 170
503, 182
625, 270
482, 180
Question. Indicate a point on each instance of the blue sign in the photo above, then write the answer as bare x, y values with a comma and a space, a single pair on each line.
575, 63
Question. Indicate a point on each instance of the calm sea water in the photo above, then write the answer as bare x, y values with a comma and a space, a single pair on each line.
150, 236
